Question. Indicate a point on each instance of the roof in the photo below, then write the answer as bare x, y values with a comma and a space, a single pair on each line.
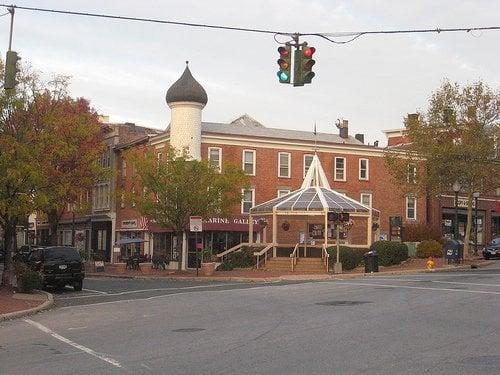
315, 194
186, 89
247, 126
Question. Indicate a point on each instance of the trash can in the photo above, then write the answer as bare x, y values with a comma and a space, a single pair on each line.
453, 250
371, 262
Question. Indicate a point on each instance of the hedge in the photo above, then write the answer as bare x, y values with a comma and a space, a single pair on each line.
429, 248
239, 259
390, 252
349, 257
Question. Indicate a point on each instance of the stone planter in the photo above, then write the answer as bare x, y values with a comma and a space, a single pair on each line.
146, 268
208, 269
118, 268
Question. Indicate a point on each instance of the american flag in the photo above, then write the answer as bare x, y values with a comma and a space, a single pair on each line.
144, 223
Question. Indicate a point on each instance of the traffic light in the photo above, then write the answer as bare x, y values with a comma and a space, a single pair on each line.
11, 70
285, 64
303, 65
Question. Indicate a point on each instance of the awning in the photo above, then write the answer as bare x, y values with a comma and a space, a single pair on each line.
126, 241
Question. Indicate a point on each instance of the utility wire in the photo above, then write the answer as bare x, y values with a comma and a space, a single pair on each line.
327, 36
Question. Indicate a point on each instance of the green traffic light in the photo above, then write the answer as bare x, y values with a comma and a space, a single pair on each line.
283, 77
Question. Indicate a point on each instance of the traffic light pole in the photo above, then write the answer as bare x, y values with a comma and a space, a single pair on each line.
11, 11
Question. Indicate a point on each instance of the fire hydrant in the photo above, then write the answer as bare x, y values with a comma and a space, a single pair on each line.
430, 264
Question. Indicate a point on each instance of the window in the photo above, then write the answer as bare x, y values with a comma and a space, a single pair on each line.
363, 169
248, 200
133, 196
101, 240
307, 163
122, 200
101, 198
412, 174
366, 199
284, 164
339, 172
249, 162
411, 207
215, 157
159, 157
282, 193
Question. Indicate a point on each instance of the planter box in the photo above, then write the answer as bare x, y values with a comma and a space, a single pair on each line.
208, 269
118, 268
146, 268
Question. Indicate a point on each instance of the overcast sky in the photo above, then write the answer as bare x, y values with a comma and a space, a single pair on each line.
125, 68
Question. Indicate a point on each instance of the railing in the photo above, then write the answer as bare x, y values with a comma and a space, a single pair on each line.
264, 252
325, 256
231, 250
294, 255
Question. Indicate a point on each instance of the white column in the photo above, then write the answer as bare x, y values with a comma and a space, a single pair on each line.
326, 228
369, 238
250, 229
184, 251
275, 233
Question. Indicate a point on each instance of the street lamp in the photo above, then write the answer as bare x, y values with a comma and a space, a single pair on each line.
476, 196
456, 189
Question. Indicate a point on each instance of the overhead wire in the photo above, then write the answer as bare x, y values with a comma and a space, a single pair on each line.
331, 37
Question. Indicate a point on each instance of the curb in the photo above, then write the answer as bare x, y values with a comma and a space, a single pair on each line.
290, 277
34, 310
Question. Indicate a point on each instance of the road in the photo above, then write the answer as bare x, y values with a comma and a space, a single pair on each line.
441, 323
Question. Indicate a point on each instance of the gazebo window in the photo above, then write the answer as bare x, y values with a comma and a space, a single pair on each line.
247, 201
249, 162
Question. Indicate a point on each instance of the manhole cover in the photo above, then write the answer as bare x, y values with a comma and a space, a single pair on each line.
341, 303
485, 360
188, 330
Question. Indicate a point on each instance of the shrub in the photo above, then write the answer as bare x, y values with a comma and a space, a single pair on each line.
416, 232
390, 252
429, 248
349, 257
27, 279
239, 259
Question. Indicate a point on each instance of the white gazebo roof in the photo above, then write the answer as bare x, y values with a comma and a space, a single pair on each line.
315, 195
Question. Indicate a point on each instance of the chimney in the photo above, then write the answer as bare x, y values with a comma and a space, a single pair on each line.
343, 126
375, 143
360, 137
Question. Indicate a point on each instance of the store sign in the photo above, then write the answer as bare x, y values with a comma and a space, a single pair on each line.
462, 203
235, 220
129, 224
195, 224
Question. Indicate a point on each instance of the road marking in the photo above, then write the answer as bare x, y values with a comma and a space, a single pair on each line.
420, 288
439, 282
76, 328
94, 291
146, 366
145, 290
102, 357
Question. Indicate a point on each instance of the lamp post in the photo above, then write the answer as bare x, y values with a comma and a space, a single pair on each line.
456, 189
476, 196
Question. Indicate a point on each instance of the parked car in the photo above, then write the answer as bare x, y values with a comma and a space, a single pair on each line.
493, 249
22, 254
59, 266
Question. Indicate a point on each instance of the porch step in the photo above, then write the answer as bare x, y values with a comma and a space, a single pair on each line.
304, 265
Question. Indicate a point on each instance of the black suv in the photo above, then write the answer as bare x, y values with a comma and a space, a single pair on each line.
59, 266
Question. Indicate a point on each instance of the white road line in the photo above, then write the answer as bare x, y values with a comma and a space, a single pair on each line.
146, 366
439, 282
145, 290
102, 357
420, 288
95, 291
76, 328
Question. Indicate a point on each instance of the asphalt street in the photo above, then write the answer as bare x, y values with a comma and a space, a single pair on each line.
440, 323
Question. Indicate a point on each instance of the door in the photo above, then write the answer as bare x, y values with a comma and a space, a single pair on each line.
192, 254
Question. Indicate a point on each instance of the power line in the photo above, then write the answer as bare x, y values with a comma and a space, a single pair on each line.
327, 36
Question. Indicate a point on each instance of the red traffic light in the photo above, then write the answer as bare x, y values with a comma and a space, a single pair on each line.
283, 52
309, 52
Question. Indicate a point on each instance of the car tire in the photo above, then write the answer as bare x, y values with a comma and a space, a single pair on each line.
78, 286
486, 256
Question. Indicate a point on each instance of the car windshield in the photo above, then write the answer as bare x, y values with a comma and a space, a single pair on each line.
62, 253
496, 241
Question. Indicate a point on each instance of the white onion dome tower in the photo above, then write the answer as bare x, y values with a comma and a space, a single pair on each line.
186, 99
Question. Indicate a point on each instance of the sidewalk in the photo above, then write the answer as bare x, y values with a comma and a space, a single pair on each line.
411, 266
15, 305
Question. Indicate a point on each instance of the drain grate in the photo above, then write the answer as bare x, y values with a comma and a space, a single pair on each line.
341, 303
188, 330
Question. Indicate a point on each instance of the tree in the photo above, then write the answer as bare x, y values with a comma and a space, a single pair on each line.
174, 187
454, 140
72, 144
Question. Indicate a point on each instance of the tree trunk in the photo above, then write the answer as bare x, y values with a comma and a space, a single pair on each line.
468, 228
180, 241
9, 241
53, 219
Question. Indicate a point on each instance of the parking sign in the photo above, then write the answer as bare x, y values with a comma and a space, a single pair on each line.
195, 224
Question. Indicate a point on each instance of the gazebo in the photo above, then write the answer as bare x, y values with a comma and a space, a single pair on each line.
314, 198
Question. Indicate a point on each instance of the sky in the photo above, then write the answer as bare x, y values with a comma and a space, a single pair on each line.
125, 68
